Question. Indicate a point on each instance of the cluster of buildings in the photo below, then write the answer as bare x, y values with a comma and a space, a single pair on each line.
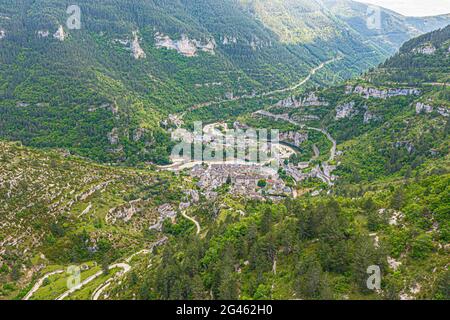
323, 172
242, 178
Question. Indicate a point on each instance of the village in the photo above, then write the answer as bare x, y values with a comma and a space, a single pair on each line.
268, 175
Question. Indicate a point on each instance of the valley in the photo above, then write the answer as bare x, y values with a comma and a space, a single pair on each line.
213, 150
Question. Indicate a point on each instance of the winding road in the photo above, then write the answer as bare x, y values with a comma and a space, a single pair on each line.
39, 283
124, 266
99, 290
320, 173
193, 220
329, 137
269, 93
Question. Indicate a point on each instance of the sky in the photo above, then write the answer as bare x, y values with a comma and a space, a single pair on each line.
417, 8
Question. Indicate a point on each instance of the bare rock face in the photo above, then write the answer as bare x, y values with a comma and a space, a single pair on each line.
381, 94
393, 264
370, 116
136, 50
445, 112
313, 100
289, 102
229, 40
427, 49
43, 33
105, 106
423, 108
308, 101
113, 136
185, 46
208, 46
346, 110
349, 89
409, 146
126, 211
138, 134
193, 195
294, 137
166, 211
60, 34
258, 44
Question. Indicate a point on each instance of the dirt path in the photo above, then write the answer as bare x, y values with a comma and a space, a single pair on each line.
100, 289
193, 220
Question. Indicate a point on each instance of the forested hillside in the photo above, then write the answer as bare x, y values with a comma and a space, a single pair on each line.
142, 233
103, 90
87, 184
426, 58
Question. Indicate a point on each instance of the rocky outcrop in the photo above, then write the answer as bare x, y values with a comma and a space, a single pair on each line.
138, 134
111, 107
193, 195
229, 40
126, 211
85, 195
124, 42
445, 112
305, 117
427, 49
258, 44
393, 264
166, 211
185, 46
381, 94
308, 101
240, 126
294, 137
312, 100
423, 108
370, 117
208, 85
346, 110
406, 144
173, 120
60, 34
43, 33
113, 136
136, 50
